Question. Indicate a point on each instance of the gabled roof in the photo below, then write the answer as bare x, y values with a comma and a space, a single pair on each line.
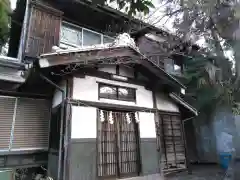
122, 51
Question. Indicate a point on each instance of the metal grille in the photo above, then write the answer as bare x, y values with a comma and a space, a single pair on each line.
31, 124
118, 146
169, 137
6, 117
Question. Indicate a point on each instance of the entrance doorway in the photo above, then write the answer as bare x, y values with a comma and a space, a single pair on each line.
170, 142
118, 145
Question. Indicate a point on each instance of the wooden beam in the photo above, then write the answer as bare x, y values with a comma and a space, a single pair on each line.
95, 104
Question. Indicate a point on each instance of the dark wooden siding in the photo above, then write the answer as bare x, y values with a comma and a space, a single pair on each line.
170, 140
44, 28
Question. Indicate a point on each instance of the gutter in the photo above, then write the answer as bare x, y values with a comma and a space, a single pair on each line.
185, 142
11, 63
24, 32
61, 121
185, 104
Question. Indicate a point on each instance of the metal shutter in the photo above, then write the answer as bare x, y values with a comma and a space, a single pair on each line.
31, 124
6, 118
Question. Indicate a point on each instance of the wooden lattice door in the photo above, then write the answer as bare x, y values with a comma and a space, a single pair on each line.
118, 144
170, 142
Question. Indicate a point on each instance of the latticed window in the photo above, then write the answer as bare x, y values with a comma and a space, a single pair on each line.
118, 144
117, 92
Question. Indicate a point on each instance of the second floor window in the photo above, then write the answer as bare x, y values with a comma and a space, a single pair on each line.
74, 36
117, 92
71, 36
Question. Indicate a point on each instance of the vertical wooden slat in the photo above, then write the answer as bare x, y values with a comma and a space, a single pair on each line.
171, 142
44, 29
117, 142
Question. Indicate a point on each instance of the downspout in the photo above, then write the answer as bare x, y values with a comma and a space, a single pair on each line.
185, 142
61, 121
24, 32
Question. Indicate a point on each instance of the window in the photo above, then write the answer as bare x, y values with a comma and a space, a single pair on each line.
107, 39
91, 38
117, 92
74, 36
71, 36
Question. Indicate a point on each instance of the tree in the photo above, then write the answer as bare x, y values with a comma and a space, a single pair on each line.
129, 6
214, 22
4, 21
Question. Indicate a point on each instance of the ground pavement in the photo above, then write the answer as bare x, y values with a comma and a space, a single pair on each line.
200, 172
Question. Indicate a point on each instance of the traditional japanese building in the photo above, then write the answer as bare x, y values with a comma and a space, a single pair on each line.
105, 105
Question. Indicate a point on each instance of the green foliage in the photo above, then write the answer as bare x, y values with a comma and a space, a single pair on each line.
210, 81
4, 21
130, 6
207, 86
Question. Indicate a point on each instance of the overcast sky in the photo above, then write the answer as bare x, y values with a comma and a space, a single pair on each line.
13, 3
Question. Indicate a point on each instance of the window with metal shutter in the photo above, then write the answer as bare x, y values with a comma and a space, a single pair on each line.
6, 118
31, 124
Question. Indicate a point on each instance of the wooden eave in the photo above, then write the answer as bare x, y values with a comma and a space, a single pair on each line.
183, 103
106, 55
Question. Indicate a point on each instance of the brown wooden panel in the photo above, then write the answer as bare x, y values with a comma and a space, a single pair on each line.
117, 146
44, 30
171, 142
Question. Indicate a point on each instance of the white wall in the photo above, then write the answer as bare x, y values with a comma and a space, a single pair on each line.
147, 125
57, 97
84, 122
87, 89
164, 103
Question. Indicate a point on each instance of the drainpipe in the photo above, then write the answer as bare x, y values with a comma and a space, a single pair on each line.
24, 32
185, 142
61, 120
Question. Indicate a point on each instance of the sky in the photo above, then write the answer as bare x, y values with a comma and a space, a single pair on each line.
13, 4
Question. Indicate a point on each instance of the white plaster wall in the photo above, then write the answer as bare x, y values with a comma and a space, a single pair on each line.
57, 97
147, 125
164, 103
87, 89
84, 122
